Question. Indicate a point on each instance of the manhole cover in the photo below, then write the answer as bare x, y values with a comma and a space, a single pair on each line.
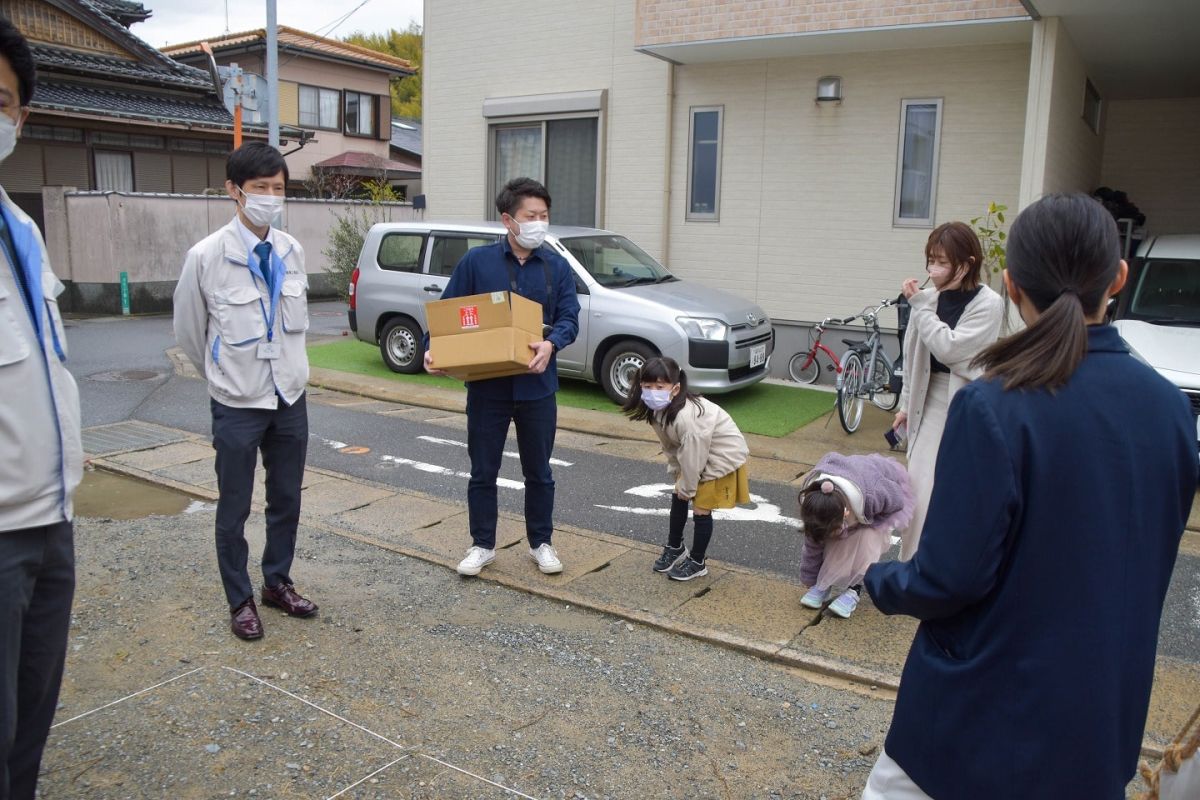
125, 375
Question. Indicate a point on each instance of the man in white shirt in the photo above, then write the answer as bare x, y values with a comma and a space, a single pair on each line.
241, 311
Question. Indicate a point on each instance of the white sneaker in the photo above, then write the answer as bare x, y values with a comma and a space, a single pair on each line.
477, 558
546, 558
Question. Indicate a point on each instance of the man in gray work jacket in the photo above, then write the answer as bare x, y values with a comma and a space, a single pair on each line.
41, 464
241, 310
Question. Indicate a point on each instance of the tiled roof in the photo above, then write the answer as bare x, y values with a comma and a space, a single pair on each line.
131, 105
123, 11
406, 135
57, 59
300, 40
355, 160
102, 15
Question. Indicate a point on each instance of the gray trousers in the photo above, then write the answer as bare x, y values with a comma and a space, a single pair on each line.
37, 585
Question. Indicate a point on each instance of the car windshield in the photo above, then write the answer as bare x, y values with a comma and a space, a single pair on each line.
616, 261
1168, 292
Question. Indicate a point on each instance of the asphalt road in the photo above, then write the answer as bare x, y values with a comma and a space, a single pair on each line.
124, 374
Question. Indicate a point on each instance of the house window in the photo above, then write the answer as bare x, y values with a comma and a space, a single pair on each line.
917, 162
1091, 106
360, 114
561, 153
704, 163
319, 107
114, 171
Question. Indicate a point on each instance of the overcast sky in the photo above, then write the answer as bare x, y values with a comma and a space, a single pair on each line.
176, 21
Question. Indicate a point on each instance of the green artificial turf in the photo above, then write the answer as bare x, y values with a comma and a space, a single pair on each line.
766, 409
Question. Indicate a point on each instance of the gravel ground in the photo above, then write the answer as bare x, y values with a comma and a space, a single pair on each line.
447, 675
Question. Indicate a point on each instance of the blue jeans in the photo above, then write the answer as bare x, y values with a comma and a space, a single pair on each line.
238, 436
487, 429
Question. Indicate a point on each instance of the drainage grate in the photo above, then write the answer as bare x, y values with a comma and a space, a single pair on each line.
125, 436
121, 375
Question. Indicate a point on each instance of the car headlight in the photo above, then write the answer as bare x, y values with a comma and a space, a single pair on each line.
703, 328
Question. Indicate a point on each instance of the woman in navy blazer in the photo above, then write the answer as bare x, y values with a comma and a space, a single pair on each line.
1063, 484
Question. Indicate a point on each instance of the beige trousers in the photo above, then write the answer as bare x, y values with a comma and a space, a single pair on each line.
922, 458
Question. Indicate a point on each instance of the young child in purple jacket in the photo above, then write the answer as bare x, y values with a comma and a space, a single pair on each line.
849, 506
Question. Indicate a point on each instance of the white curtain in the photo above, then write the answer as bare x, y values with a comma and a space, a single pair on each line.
518, 154
114, 171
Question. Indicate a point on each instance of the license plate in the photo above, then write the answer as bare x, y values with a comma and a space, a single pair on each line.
758, 355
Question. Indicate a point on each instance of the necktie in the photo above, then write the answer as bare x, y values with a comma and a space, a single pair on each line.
263, 251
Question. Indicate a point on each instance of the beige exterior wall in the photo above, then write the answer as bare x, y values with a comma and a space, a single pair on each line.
807, 190
1152, 152
581, 45
677, 21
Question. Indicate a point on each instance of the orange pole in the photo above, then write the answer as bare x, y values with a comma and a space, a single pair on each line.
237, 125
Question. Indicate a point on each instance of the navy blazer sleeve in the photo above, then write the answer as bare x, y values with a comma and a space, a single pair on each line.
974, 506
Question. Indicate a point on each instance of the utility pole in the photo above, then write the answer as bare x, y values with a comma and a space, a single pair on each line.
272, 76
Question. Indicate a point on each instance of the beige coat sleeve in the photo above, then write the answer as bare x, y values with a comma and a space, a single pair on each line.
956, 347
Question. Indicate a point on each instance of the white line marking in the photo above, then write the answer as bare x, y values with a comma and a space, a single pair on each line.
763, 511
477, 777
127, 697
504, 483
368, 777
507, 453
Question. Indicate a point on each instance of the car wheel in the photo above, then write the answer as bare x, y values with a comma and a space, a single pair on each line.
620, 367
402, 346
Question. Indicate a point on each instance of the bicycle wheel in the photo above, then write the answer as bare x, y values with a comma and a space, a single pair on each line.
849, 392
804, 368
881, 381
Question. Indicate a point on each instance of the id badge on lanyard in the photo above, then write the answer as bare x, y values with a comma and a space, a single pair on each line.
269, 350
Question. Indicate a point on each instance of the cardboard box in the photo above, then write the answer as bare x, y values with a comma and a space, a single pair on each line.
483, 335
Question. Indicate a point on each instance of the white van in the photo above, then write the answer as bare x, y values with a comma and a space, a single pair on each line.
1158, 312
631, 307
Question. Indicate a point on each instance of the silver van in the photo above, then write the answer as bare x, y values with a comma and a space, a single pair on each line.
631, 307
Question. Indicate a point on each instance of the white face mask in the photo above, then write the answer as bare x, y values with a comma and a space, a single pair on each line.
532, 234
8, 136
656, 399
261, 209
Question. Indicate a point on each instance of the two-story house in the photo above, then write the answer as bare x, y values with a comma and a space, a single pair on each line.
339, 91
798, 153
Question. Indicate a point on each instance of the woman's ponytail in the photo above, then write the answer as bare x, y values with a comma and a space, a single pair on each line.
1063, 255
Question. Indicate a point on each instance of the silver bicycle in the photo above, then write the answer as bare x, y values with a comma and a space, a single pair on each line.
866, 374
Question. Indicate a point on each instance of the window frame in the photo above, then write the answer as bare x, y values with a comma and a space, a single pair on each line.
918, 222
1093, 106
715, 214
337, 125
419, 267
542, 121
373, 105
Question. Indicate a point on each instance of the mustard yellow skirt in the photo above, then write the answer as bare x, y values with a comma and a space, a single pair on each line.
724, 492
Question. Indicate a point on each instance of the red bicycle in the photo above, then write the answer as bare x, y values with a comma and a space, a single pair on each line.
804, 366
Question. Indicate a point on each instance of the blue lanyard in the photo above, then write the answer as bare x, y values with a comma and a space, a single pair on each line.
276, 287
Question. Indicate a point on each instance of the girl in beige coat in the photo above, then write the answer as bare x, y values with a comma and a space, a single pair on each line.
951, 323
706, 454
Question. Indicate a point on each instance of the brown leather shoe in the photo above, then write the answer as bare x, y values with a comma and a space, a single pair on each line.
284, 596
245, 622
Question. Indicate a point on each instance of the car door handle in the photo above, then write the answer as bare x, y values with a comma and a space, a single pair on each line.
433, 287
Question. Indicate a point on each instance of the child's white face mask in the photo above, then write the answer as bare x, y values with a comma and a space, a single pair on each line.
656, 399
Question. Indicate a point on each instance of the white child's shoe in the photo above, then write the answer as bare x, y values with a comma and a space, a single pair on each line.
845, 604
546, 558
477, 558
814, 598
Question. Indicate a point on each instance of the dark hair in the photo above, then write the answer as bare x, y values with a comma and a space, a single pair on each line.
1063, 254
515, 191
255, 160
961, 246
659, 369
822, 514
15, 49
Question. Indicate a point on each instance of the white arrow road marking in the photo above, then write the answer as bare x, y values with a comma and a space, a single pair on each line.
762, 512
435, 469
507, 453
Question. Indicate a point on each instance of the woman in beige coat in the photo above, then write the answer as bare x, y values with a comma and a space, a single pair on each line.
951, 323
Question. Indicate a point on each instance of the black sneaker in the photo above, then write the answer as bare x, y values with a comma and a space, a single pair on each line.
669, 558
686, 569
